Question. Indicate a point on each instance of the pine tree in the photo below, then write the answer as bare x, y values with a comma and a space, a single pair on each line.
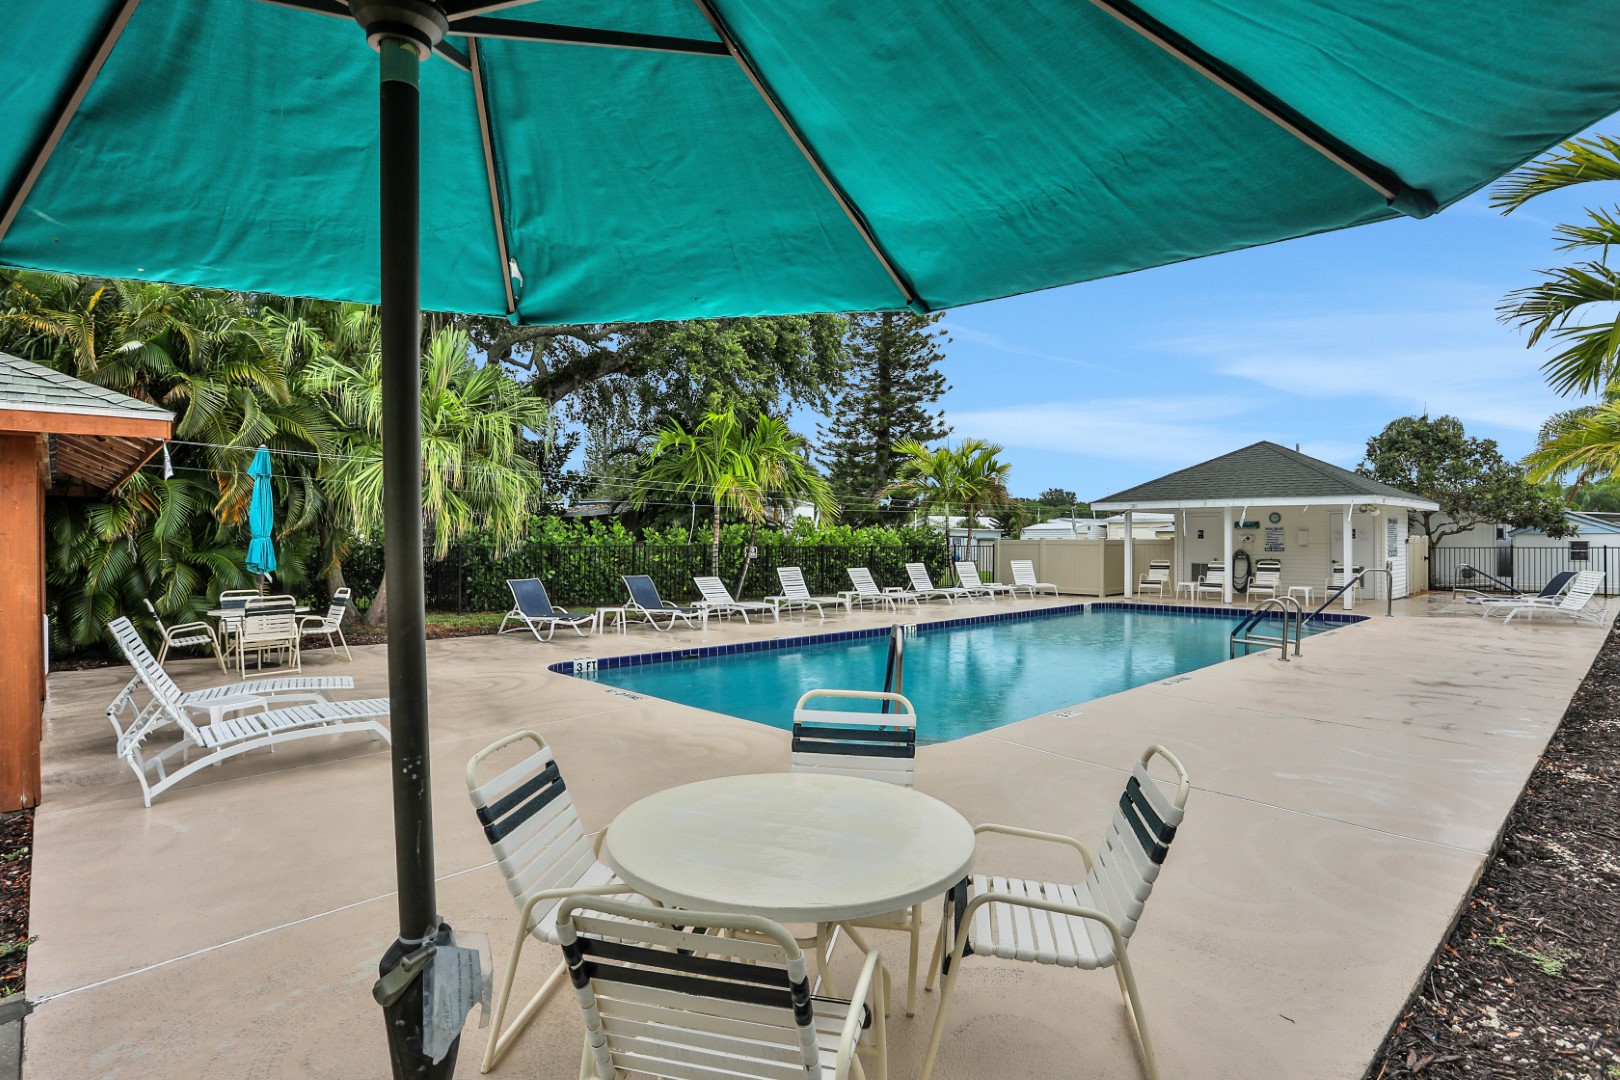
894, 380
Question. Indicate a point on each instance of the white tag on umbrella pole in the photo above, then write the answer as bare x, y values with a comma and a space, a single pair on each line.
168, 466
458, 977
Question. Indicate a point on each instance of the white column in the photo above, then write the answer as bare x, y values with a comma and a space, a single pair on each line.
1349, 550
1130, 560
1226, 552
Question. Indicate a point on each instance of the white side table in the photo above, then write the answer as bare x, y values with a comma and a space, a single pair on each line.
218, 707
620, 618
1189, 587
1306, 591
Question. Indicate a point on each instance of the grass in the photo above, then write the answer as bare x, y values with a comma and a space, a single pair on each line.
1551, 963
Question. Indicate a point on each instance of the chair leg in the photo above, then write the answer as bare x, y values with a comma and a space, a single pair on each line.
939, 953
163, 651
501, 1041
944, 1004
911, 972
346, 653
1133, 1009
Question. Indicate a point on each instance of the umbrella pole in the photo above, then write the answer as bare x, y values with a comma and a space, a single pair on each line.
400, 989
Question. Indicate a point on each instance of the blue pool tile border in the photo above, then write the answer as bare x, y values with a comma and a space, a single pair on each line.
1332, 618
703, 652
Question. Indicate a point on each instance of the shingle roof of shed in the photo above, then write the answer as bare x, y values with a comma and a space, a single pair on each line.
1263, 470
34, 387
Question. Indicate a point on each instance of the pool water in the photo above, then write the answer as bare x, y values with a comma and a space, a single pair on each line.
962, 679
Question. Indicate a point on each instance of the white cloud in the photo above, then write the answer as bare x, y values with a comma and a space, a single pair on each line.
1445, 355
1171, 431
1001, 344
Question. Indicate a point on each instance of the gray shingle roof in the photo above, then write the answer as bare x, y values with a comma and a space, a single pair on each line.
33, 387
1261, 471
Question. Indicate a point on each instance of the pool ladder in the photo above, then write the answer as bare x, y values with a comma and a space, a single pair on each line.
894, 672
1293, 614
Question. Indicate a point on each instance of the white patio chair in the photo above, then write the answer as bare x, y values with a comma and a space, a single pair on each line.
1267, 579
719, 601
1156, 578
184, 635
1576, 602
1335, 579
923, 587
795, 594
1024, 578
646, 603
663, 999
873, 746
255, 724
231, 602
1213, 581
1086, 925
330, 623
866, 590
968, 576
532, 607
533, 829
269, 625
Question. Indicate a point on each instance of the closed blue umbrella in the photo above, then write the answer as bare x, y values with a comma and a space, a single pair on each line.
261, 553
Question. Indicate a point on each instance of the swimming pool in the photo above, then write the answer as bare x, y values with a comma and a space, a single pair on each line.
963, 675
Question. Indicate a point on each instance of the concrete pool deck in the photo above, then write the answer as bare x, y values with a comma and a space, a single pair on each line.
1344, 804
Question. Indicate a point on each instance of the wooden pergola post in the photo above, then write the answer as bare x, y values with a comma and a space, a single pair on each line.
51, 425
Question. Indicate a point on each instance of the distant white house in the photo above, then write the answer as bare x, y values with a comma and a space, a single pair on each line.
1595, 546
1067, 528
1145, 526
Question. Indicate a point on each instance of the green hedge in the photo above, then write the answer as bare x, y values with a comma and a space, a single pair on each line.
581, 565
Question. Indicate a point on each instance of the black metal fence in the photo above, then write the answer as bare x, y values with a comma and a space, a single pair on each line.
471, 578
1527, 568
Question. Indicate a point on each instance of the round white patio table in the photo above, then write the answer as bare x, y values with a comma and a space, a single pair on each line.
792, 847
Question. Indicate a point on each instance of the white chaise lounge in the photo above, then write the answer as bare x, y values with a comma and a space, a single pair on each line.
719, 601
925, 589
1577, 602
252, 722
1023, 572
967, 573
866, 590
795, 594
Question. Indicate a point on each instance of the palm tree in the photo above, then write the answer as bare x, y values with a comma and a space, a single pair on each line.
1560, 306
733, 466
201, 355
969, 475
474, 418
1587, 444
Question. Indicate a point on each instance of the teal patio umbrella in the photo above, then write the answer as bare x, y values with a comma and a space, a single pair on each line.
261, 552
596, 160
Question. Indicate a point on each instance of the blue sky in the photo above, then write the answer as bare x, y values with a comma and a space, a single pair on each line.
1319, 341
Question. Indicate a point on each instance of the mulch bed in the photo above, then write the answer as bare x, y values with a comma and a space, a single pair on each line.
16, 850
1528, 983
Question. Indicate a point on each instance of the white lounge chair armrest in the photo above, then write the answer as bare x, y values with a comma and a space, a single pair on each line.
1035, 834
186, 628
867, 985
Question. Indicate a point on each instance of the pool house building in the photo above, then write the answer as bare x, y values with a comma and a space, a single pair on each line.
1267, 502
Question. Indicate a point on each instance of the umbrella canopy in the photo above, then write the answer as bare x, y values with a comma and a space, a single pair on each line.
261, 552
786, 156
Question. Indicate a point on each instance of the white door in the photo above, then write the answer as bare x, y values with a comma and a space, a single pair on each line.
1364, 549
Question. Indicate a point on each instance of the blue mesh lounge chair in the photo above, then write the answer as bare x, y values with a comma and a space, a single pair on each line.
534, 609
646, 603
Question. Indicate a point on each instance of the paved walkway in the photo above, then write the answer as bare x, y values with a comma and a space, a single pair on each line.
1344, 804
